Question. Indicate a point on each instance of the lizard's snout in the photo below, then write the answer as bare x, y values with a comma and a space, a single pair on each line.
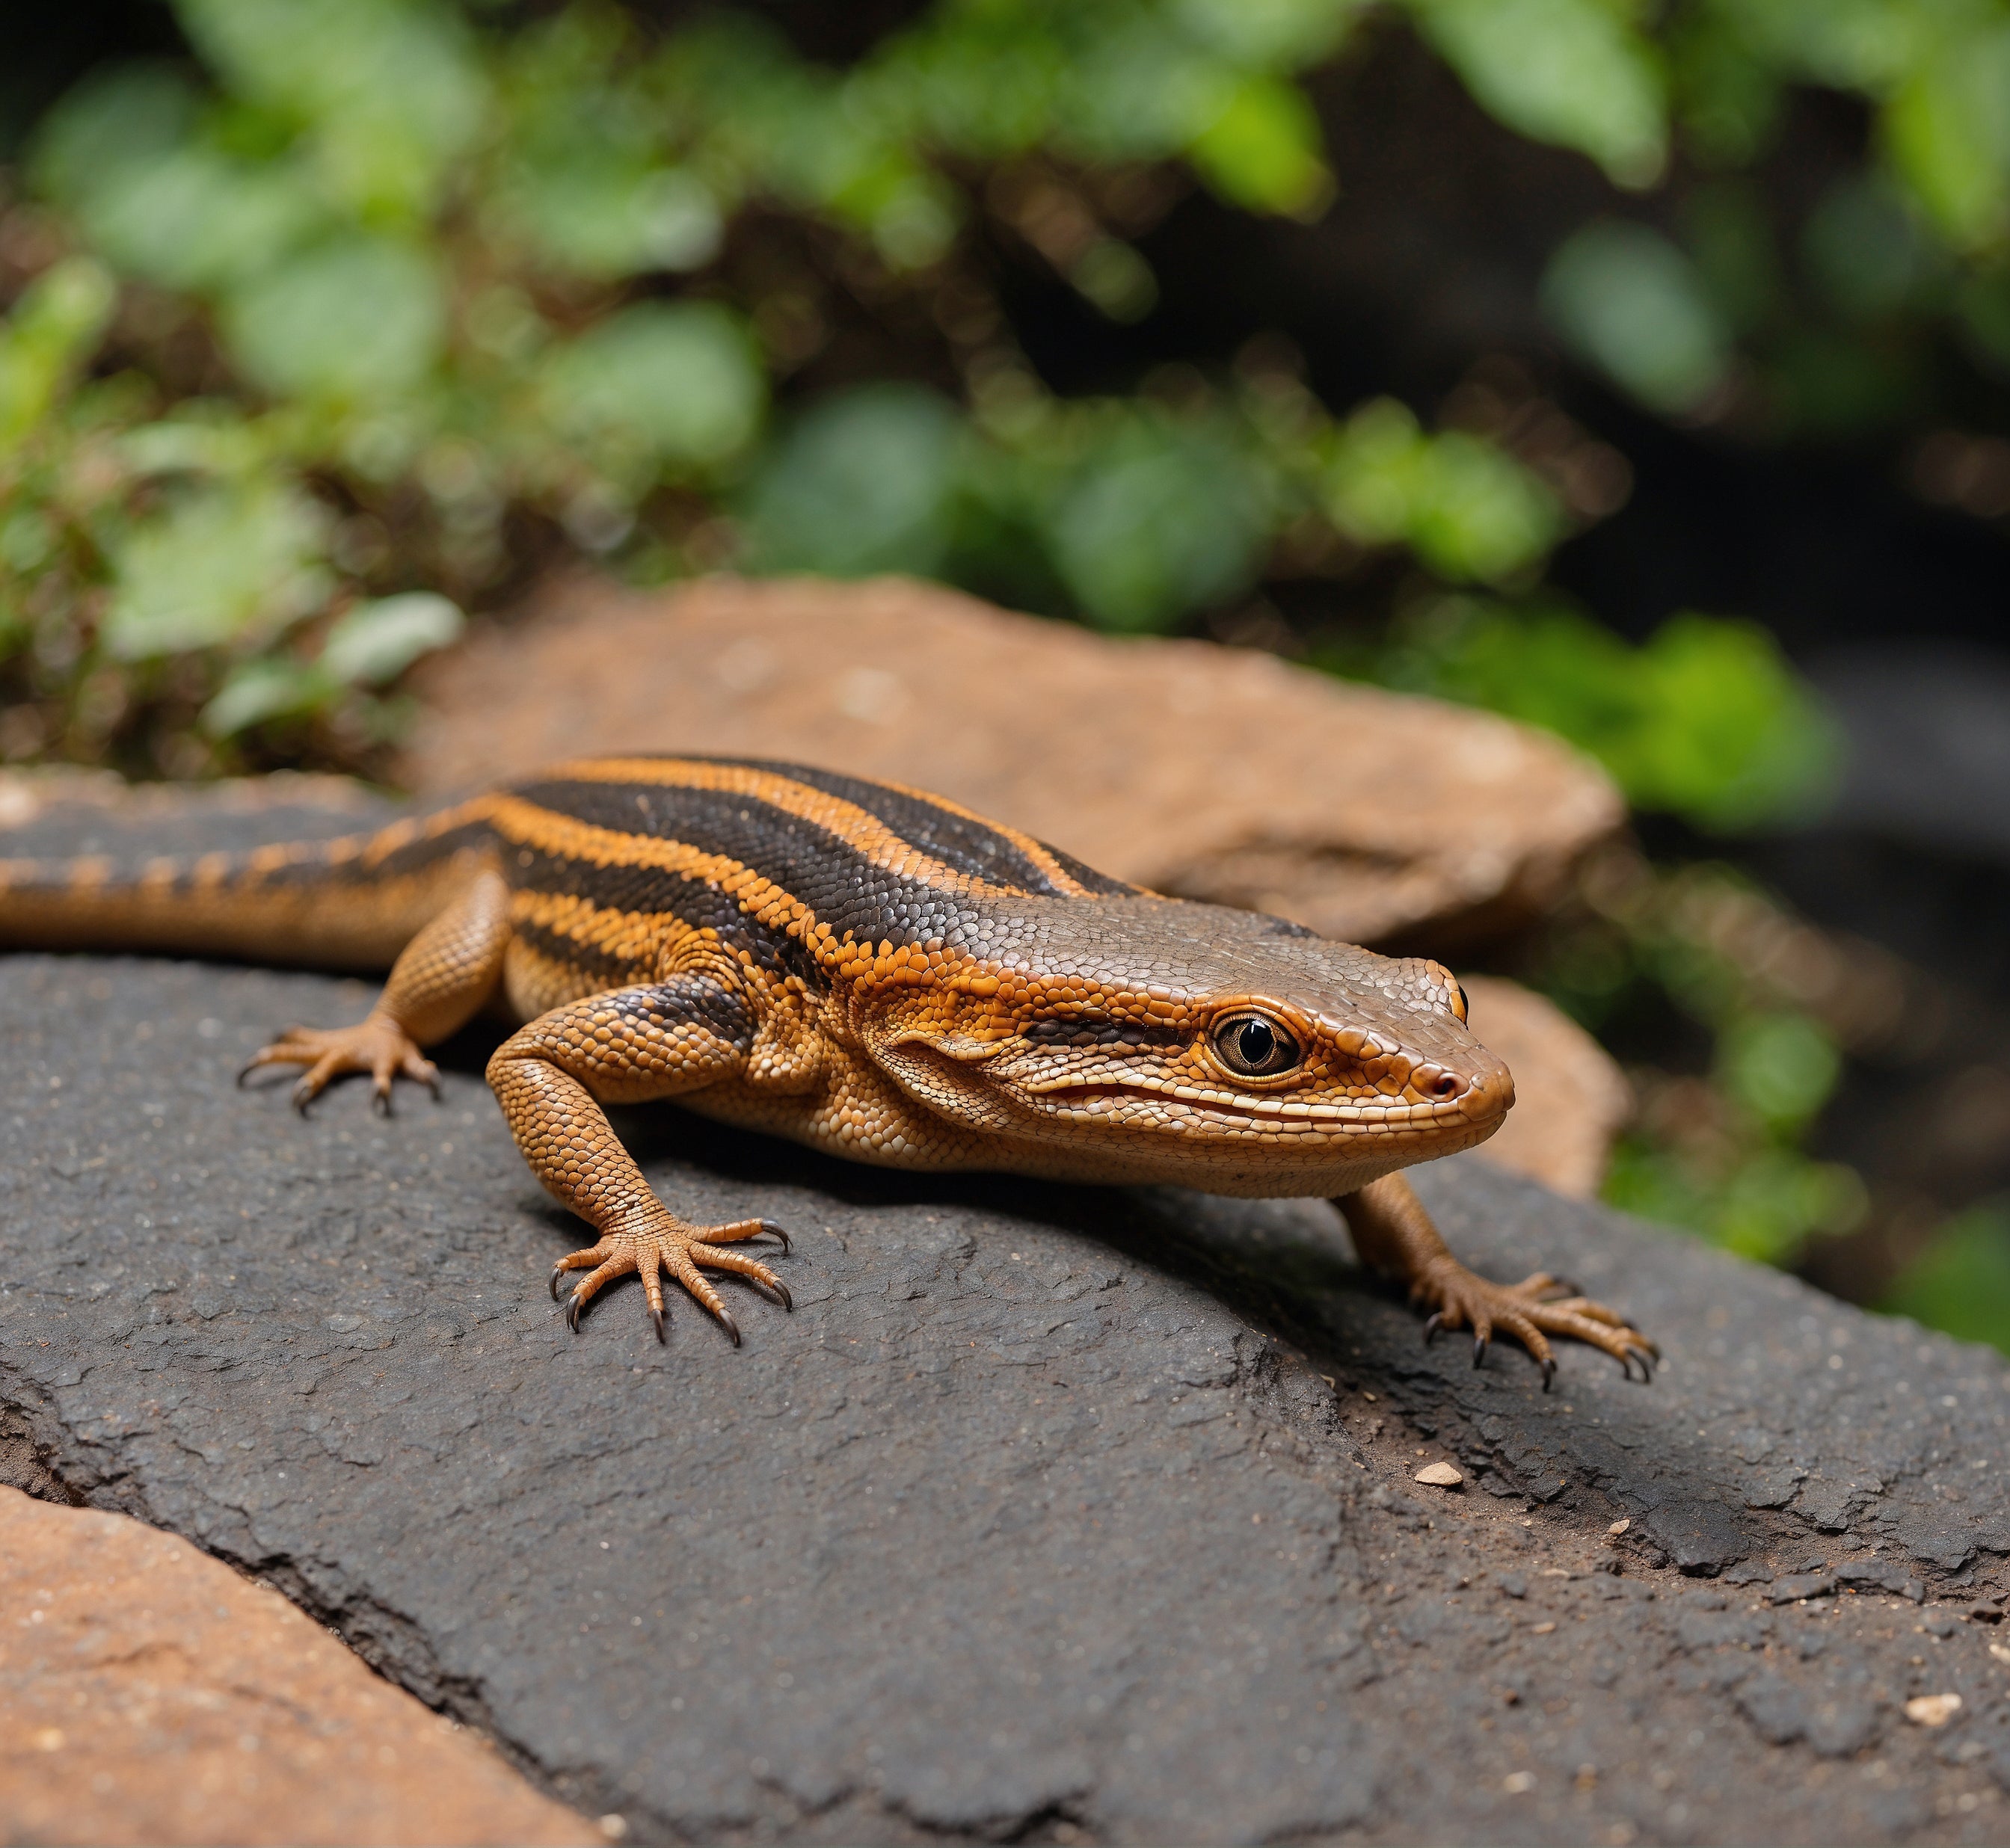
1436, 1085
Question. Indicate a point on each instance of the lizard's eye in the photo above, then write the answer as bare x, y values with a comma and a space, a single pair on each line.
1458, 1003
1254, 1045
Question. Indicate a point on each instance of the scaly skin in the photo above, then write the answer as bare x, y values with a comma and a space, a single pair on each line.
867, 969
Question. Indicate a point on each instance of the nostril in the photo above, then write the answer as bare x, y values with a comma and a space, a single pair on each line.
1447, 1086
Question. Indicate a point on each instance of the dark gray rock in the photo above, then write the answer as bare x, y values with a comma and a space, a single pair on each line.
1050, 1513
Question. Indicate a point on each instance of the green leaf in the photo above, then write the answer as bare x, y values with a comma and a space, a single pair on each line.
679, 380
1960, 1284
1947, 131
1161, 522
1571, 71
1112, 274
1706, 720
1864, 249
610, 216
45, 342
375, 642
1264, 151
1782, 1067
220, 563
1631, 303
258, 691
1275, 34
387, 92
356, 318
864, 482
115, 123
198, 219
1469, 512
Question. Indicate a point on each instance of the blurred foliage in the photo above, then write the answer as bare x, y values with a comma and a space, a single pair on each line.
371, 311
1962, 1281
1721, 1151
1704, 720
377, 296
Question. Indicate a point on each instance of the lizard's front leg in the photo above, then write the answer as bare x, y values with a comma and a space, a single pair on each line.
437, 984
629, 1046
1393, 1235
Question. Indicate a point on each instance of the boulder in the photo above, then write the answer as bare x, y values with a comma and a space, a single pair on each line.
148, 1693
1204, 771
1050, 1513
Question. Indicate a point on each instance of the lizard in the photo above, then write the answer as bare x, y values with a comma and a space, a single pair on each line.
864, 967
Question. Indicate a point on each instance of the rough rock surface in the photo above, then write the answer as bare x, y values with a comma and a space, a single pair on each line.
1369, 816
149, 1693
1049, 1514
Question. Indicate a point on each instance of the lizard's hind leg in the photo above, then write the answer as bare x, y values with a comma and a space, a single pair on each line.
443, 976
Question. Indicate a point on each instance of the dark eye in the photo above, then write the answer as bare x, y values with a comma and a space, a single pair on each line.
1256, 1046
1458, 1003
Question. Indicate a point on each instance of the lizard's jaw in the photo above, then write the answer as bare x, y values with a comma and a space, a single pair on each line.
1205, 1117
1274, 1147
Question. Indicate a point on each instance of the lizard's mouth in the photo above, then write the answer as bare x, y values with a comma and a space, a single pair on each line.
1146, 1106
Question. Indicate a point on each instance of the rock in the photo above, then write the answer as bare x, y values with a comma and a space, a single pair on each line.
1039, 1511
1797, 1586
1439, 1475
1571, 1098
1932, 1710
1204, 771
149, 1693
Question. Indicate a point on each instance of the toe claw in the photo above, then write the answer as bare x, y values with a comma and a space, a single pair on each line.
769, 1226
1431, 1327
657, 1316
380, 1102
1479, 1345
302, 1096
558, 1270
777, 1289
1549, 1372
732, 1327
573, 1307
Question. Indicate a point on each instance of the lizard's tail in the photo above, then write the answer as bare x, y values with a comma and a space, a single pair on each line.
350, 903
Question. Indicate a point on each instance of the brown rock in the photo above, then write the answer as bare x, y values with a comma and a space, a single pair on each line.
150, 1694
1571, 1098
1209, 772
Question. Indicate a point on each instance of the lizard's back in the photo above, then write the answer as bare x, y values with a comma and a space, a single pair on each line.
616, 864
611, 863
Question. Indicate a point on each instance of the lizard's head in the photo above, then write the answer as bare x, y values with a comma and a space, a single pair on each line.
1148, 1040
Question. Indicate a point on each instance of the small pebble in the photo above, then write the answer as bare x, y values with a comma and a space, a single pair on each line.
1932, 1710
1440, 1475
1618, 1527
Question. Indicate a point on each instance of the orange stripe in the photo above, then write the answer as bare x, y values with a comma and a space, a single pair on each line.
523, 823
860, 830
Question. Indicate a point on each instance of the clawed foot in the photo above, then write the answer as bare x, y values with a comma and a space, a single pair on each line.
1539, 1306
665, 1243
378, 1046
